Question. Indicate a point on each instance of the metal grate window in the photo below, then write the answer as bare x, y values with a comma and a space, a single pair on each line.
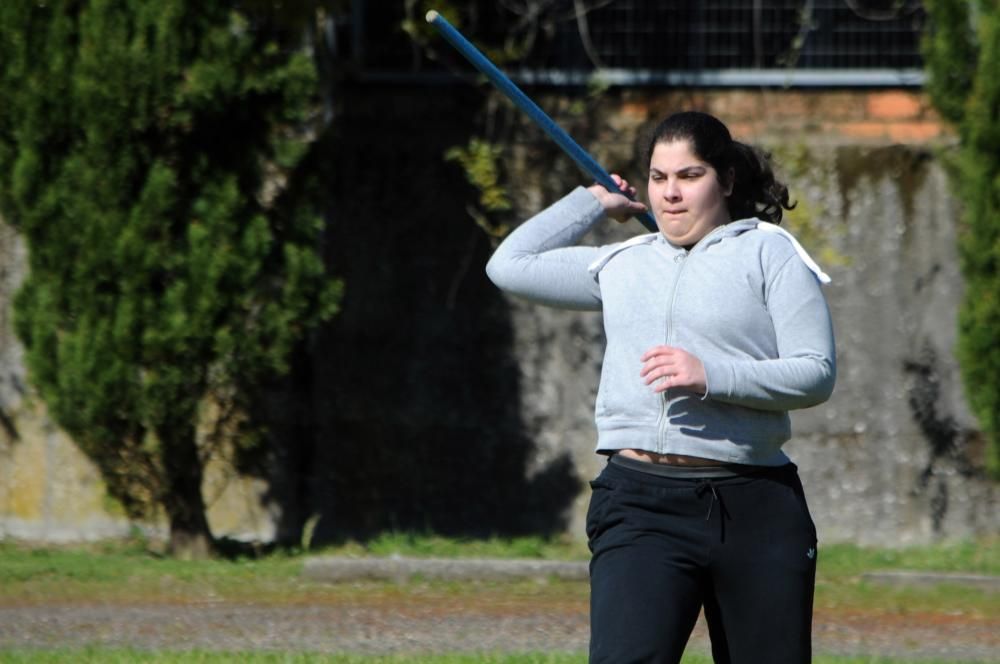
694, 41
713, 34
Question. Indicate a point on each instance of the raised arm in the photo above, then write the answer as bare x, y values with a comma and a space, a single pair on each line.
539, 260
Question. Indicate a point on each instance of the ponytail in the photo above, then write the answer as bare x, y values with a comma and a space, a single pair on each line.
756, 192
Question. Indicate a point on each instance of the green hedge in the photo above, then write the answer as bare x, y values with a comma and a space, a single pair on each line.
962, 51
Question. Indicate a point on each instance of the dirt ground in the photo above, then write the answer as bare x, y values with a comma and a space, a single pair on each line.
440, 625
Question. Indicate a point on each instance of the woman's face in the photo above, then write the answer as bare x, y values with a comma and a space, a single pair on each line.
685, 193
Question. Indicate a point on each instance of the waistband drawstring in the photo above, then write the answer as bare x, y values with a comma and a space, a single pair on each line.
703, 486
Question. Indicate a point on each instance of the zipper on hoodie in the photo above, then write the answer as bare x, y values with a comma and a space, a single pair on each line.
681, 260
661, 426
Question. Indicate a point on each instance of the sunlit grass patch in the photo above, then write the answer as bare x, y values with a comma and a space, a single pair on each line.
437, 546
980, 556
841, 580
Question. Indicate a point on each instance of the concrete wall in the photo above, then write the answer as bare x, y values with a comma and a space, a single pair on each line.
435, 402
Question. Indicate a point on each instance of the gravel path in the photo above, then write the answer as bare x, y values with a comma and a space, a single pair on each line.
438, 628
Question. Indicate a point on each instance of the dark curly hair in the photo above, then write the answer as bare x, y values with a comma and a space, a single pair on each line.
755, 191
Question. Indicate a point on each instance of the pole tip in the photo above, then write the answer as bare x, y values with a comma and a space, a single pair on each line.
431, 16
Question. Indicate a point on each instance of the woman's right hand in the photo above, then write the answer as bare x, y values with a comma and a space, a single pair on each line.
618, 206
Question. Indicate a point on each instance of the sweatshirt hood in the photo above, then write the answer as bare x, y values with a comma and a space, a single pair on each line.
731, 229
823, 277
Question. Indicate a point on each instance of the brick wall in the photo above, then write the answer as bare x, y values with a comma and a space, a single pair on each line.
842, 116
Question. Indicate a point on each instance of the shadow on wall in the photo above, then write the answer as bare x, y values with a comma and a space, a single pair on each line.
949, 443
413, 419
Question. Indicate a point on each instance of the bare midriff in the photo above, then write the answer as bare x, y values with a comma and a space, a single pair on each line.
669, 459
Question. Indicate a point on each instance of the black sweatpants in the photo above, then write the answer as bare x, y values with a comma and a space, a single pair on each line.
742, 547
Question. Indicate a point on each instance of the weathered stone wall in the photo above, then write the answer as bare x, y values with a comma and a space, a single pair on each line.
435, 402
895, 455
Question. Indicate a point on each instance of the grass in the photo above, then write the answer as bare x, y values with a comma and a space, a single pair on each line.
971, 556
433, 546
840, 583
117, 571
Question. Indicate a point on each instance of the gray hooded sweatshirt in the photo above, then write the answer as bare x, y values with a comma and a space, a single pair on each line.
746, 300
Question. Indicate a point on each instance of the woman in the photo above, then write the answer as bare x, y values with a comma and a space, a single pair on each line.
716, 327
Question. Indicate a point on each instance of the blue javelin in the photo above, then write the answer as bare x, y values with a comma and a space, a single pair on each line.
514, 93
